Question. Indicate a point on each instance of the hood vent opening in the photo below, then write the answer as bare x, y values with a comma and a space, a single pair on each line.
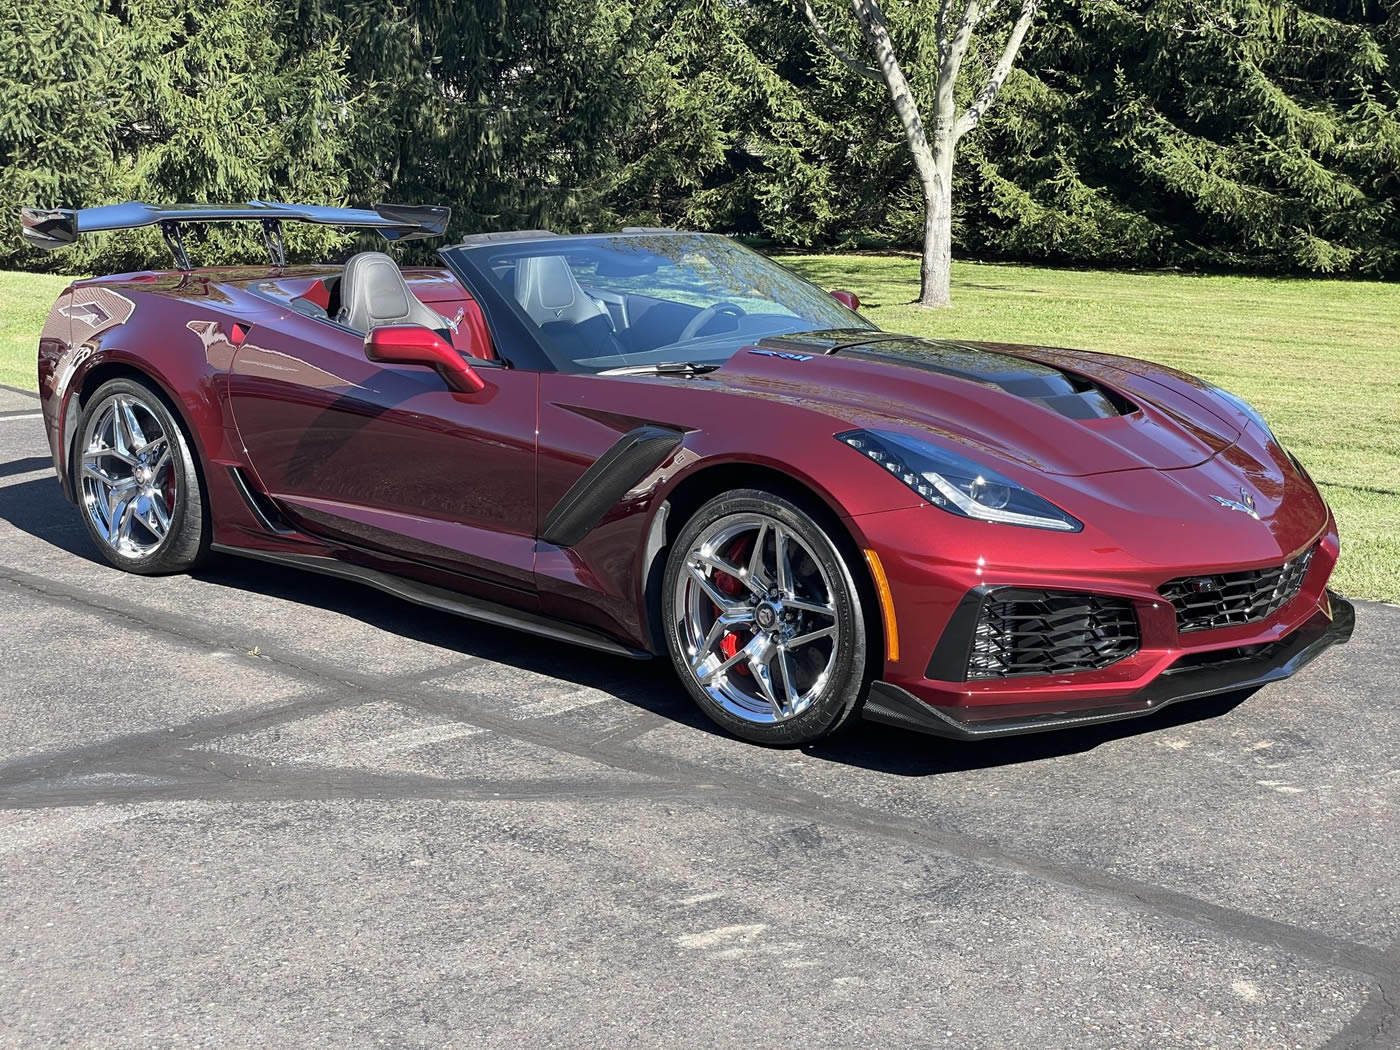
1088, 401
1067, 393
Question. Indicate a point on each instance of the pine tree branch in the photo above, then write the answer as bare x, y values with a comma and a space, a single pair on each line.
819, 31
974, 113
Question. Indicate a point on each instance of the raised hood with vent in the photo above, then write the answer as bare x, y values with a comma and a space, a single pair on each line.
1056, 411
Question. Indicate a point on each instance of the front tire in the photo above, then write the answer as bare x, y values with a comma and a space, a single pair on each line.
137, 482
763, 619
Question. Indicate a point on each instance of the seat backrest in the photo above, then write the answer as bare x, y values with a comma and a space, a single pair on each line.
373, 292
547, 290
570, 319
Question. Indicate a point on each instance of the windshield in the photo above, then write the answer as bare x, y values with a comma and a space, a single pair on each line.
596, 303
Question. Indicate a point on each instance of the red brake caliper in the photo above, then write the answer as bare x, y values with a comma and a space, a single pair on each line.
729, 644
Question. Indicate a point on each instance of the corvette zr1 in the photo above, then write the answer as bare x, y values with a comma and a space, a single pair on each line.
655, 442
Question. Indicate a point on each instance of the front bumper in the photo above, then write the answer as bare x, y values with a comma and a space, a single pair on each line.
1189, 679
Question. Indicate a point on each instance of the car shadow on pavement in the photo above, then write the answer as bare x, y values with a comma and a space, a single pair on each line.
37, 507
24, 466
651, 685
646, 684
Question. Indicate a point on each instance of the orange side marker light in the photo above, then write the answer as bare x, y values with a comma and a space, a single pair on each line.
882, 588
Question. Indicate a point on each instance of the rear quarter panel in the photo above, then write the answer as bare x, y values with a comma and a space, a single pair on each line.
55, 348
171, 328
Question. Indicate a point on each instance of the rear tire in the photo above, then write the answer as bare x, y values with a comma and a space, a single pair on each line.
137, 482
763, 619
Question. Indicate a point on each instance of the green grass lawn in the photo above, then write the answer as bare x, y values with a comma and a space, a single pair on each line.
1319, 358
25, 299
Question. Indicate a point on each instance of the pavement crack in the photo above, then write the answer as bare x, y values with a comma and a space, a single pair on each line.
1373, 1027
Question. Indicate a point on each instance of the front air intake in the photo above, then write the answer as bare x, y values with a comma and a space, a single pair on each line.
1048, 632
1208, 602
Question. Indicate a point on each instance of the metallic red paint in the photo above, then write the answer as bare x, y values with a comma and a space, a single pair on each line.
372, 459
411, 344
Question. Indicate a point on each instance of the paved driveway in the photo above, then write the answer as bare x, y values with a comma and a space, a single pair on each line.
255, 808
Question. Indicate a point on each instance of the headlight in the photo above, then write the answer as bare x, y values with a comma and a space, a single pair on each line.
1249, 410
956, 484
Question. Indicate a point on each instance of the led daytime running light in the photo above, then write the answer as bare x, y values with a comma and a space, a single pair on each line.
984, 497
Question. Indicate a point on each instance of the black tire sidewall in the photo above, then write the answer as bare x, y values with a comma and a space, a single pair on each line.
846, 685
186, 541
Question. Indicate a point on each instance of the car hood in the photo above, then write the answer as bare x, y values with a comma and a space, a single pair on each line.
1055, 411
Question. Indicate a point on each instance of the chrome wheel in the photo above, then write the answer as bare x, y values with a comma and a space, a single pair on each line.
128, 476
757, 619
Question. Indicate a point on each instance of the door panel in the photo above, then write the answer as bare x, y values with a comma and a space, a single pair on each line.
388, 457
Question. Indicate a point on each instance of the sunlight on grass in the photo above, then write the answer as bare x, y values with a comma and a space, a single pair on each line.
25, 299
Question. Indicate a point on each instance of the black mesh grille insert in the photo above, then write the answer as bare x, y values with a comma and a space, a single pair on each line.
1206, 602
1047, 632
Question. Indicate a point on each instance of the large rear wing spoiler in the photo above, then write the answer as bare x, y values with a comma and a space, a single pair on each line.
51, 228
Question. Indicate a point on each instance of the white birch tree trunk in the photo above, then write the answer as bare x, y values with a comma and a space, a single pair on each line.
936, 269
933, 161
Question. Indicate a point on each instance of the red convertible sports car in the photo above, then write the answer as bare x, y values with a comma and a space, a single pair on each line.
653, 441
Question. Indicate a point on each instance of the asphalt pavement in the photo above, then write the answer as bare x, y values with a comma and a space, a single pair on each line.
252, 808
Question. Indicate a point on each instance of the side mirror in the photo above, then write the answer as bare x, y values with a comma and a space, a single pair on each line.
412, 344
849, 300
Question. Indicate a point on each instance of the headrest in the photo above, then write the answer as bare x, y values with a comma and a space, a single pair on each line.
373, 292
547, 290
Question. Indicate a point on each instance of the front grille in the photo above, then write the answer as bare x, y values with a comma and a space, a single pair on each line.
1046, 632
1204, 603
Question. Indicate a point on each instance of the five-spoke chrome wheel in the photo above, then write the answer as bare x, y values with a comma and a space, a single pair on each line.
757, 618
128, 476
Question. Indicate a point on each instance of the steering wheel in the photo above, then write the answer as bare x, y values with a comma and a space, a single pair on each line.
699, 321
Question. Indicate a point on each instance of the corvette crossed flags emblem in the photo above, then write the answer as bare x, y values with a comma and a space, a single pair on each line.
1245, 505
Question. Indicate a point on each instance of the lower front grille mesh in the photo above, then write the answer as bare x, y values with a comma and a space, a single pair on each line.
1204, 603
1048, 632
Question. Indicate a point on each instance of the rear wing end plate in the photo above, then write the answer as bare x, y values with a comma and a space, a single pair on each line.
52, 228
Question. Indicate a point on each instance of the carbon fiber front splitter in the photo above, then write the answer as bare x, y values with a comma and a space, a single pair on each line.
895, 706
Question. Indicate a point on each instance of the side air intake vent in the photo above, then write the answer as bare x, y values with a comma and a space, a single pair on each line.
262, 508
636, 454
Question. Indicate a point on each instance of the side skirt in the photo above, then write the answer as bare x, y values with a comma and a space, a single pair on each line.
444, 600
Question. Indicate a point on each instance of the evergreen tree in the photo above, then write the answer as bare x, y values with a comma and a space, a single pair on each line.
1245, 133
58, 110
1224, 133
166, 100
515, 115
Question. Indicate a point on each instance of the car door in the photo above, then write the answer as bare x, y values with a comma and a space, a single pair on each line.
386, 457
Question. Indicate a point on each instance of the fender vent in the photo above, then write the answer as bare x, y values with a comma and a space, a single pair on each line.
635, 455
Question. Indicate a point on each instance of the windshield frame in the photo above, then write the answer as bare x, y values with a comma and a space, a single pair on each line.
517, 340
